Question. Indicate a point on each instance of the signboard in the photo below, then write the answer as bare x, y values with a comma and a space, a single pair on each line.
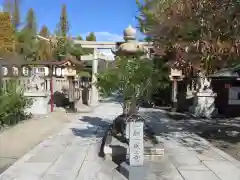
176, 72
136, 147
69, 72
6, 31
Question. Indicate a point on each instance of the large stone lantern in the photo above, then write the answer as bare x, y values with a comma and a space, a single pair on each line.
134, 128
131, 47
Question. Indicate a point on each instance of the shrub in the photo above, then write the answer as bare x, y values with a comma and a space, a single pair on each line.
13, 104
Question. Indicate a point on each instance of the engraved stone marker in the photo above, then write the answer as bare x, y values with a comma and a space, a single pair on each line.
136, 144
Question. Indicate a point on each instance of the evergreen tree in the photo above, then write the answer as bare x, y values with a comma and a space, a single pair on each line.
63, 26
79, 37
8, 6
90, 37
63, 44
31, 24
27, 37
16, 14
44, 47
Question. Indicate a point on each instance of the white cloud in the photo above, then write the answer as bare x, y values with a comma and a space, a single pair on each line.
107, 36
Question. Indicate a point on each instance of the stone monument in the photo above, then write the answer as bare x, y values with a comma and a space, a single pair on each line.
134, 167
136, 147
129, 155
35, 91
203, 105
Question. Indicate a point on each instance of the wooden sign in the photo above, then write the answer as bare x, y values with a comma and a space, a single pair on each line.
6, 31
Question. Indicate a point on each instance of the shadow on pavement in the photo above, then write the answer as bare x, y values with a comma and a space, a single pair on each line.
95, 127
184, 129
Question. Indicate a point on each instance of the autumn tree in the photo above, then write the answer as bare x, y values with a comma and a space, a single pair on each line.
191, 34
7, 35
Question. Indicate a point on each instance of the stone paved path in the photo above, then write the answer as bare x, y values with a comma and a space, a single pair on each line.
72, 154
17, 140
188, 156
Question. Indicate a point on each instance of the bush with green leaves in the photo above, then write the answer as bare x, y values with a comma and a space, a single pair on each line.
13, 104
134, 79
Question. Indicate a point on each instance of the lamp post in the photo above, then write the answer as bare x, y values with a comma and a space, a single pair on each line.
175, 76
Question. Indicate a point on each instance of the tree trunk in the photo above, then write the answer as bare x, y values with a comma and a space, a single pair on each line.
130, 107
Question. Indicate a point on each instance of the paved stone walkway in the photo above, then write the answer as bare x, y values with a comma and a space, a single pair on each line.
17, 140
188, 156
72, 154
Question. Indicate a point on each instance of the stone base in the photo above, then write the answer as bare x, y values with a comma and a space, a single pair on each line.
133, 173
204, 104
40, 104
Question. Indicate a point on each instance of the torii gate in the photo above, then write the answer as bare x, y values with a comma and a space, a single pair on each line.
96, 56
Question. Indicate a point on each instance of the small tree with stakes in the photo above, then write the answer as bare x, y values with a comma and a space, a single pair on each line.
133, 78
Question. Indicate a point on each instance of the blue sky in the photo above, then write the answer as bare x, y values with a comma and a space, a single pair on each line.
107, 18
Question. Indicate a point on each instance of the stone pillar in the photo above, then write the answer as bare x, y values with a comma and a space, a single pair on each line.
94, 91
136, 146
174, 95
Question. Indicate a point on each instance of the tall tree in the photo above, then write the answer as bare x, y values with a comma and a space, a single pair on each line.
63, 26
27, 37
44, 47
79, 37
63, 44
16, 14
31, 24
90, 37
8, 6
193, 34
7, 41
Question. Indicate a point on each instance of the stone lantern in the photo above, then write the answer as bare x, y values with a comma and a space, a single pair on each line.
131, 47
134, 128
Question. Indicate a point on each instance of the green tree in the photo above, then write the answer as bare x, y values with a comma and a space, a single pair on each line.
133, 78
44, 47
16, 15
27, 45
63, 45
63, 25
90, 37
79, 37
76, 50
